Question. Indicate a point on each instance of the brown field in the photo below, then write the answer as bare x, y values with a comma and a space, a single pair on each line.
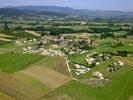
6, 36
33, 33
46, 76
131, 98
78, 35
4, 39
126, 60
17, 89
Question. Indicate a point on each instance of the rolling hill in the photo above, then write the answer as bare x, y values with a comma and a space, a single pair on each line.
59, 11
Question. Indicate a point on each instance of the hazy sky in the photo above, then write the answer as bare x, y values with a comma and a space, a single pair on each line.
125, 5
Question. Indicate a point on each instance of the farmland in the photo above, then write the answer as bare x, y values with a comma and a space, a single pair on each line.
65, 57
5, 97
48, 77
32, 78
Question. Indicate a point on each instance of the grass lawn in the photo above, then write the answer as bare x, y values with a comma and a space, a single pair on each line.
119, 89
11, 63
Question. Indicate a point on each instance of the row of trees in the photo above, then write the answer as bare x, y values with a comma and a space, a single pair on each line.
56, 31
110, 34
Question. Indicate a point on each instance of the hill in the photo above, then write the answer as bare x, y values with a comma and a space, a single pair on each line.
68, 10
28, 12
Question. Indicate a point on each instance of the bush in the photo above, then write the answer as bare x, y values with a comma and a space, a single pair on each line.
122, 53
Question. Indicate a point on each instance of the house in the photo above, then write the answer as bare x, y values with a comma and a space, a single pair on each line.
112, 68
98, 74
90, 60
120, 63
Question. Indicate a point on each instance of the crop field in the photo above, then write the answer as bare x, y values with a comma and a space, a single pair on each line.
11, 63
37, 84
6, 36
5, 97
105, 45
48, 77
40, 77
54, 63
5, 39
17, 89
109, 49
33, 33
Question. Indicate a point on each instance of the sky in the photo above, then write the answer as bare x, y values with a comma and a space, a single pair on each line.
123, 5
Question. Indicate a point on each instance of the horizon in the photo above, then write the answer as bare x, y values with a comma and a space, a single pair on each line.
111, 5
63, 7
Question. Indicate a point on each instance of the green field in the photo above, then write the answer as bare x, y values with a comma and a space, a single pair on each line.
78, 59
119, 89
11, 63
104, 45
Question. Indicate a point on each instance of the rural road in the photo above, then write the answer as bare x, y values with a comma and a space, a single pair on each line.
67, 63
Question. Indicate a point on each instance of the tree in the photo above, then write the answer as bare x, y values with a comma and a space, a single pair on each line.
122, 53
18, 28
105, 35
6, 28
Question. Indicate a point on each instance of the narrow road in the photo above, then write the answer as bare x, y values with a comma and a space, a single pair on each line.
67, 63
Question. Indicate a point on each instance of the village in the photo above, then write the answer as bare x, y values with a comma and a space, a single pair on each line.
65, 46
55, 45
